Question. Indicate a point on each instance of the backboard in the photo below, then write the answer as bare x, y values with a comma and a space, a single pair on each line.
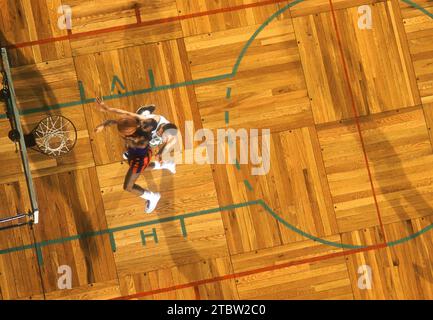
17, 135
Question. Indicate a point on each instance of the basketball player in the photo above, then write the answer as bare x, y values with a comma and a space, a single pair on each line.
163, 133
134, 130
164, 136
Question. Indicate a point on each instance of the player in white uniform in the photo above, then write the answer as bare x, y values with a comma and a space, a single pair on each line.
164, 137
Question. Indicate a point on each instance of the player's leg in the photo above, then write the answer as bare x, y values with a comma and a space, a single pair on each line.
164, 165
130, 183
137, 166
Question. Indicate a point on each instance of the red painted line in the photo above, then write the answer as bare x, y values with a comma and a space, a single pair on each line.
137, 13
355, 112
197, 293
142, 24
251, 272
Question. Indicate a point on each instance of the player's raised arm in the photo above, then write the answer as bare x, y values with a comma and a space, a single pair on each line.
105, 124
105, 108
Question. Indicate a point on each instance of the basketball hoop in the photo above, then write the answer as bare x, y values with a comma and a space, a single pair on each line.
54, 136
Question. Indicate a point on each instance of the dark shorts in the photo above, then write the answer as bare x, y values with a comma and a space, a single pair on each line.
139, 159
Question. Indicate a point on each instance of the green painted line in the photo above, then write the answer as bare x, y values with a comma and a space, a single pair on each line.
417, 6
229, 93
82, 92
17, 249
227, 117
144, 236
183, 227
111, 232
55, 107
151, 78
81, 236
306, 235
39, 255
411, 237
58, 106
184, 216
238, 166
112, 242
116, 80
155, 236
248, 185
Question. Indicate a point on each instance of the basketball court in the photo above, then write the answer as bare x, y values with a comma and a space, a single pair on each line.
344, 212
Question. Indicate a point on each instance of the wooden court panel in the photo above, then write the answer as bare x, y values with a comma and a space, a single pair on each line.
9, 158
295, 189
178, 282
26, 21
221, 21
89, 16
399, 154
190, 189
428, 113
306, 8
399, 272
347, 176
45, 84
269, 74
94, 291
19, 274
319, 280
377, 84
419, 30
285, 254
172, 248
77, 209
142, 35
124, 39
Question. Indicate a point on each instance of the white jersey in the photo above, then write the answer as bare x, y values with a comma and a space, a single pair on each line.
156, 139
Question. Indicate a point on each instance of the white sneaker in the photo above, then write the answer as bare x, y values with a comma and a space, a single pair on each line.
170, 166
146, 110
153, 202
126, 156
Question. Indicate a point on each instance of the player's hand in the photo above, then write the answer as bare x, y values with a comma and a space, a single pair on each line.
100, 102
99, 128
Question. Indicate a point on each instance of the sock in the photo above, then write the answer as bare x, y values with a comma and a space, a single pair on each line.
146, 113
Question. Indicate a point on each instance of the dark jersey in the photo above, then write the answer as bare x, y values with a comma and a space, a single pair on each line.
140, 139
